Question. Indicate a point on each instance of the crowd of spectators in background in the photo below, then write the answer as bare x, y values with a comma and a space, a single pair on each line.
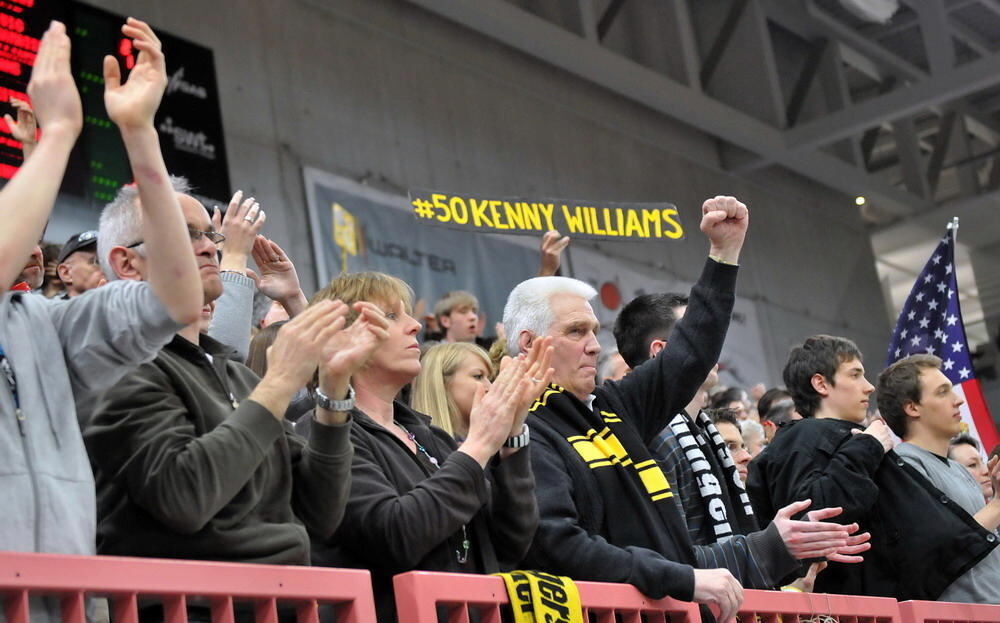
166, 403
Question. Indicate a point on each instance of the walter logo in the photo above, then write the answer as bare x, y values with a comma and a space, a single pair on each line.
188, 140
178, 83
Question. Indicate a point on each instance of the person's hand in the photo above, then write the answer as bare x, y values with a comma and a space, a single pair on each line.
25, 129
718, 587
879, 431
856, 543
537, 373
816, 538
724, 220
493, 412
551, 251
351, 348
133, 104
300, 345
240, 226
807, 583
993, 466
51, 88
278, 279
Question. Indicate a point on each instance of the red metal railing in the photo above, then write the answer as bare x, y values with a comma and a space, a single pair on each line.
224, 587
175, 583
419, 593
935, 611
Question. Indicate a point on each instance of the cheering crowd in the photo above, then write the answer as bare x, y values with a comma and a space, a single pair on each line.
148, 411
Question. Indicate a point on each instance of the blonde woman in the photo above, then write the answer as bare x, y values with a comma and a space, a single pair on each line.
446, 386
420, 500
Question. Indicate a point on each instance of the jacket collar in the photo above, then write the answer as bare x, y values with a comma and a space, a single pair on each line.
196, 352
400, 412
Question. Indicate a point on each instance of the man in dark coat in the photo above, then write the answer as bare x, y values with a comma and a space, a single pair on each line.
920, 540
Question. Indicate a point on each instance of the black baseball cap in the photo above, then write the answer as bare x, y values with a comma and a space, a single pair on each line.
82, 241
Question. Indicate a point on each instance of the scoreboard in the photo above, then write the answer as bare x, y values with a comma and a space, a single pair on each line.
189, 122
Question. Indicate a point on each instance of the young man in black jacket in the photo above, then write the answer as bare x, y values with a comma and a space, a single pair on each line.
920, 541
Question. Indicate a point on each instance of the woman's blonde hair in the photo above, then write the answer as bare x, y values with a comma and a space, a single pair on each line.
430, 389
371, 287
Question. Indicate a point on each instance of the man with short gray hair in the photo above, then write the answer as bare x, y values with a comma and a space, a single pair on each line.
607, 511
605, 506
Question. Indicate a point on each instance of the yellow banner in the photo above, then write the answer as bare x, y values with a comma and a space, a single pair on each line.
580, 219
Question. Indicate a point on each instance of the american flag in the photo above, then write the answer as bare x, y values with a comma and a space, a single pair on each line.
931, 322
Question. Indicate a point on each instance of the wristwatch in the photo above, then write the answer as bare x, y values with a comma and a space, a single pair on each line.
518, 441
324, 402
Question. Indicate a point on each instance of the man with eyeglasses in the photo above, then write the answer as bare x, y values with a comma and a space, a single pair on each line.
191, 453
77, 264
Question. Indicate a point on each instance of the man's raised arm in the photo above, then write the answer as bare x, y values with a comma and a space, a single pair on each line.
27, 200
664, 385
173, 275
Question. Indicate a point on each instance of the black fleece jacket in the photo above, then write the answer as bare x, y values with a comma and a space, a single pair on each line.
186, 467
405, 514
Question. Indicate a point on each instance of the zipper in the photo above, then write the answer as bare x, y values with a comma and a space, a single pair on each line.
29, 462
222, 383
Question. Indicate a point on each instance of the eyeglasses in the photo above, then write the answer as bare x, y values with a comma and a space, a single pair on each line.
196, 235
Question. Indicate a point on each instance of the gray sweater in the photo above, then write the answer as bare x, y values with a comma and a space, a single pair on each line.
64, 353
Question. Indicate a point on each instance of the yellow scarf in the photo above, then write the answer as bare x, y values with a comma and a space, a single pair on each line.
538, 597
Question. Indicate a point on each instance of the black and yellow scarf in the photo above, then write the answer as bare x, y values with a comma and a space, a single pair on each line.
639, 509
537, 597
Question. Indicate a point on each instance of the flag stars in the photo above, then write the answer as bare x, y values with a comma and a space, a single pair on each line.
936, 259
915, 340
964, 372
951, 293
919, 297
928, 278
948, 364
898, 353
931, 350
932, 305
904, 333
941, 335
911, 315
952, 319
957, 347
942, 286
947, 269
924, 322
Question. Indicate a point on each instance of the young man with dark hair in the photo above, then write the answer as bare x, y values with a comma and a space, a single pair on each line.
827, 457
643, 325
921, 406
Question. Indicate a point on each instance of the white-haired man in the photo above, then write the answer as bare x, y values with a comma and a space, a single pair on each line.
607, 511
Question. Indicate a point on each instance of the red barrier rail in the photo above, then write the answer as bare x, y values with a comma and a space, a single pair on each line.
125, 581
935, 611
419, 593
788, 607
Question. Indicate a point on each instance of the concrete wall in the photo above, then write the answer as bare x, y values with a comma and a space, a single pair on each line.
381, 90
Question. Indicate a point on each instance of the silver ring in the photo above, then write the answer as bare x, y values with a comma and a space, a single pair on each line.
249, 219
537, 380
